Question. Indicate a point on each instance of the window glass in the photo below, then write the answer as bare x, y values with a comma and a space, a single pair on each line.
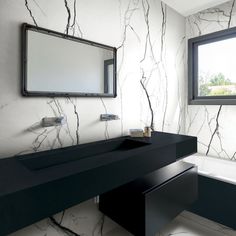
217, 68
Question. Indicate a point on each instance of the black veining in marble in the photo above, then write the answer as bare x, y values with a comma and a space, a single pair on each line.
30, 12
215, 131
68, 18
142, 81
148, 43
226, 20
77, 120
132, 7
63, 228
162, 63
180, 58
106, 132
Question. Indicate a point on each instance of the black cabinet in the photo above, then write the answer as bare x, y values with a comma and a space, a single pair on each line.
210, 205
147, 204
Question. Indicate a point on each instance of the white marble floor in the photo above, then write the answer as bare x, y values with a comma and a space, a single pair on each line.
83, 219
186, 224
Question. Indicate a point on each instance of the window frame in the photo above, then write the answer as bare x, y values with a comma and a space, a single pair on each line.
193, 43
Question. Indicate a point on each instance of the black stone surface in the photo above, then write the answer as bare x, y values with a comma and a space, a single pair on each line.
27, 195
145, 205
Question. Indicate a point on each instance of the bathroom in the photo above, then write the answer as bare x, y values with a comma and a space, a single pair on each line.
150, 41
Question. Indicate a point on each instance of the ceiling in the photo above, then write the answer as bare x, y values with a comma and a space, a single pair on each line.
189, 7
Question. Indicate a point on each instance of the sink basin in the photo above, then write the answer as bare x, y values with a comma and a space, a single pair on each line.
41, 160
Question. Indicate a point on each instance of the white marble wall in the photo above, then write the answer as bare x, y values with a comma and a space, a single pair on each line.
213, 125
150, 38
147, 34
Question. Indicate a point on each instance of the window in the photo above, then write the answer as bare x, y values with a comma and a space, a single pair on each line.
212, 68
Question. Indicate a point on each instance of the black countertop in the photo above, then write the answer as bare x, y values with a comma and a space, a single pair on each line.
27, 196
15, 176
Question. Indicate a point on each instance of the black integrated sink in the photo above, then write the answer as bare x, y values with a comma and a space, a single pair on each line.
38, 161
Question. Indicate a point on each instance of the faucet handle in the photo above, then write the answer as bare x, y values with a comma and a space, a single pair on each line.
53, 121
107, 117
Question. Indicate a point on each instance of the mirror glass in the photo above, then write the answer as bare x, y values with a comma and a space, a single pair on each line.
58, 64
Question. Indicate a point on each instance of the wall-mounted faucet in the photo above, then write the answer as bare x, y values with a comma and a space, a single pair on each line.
107, 117
53, 121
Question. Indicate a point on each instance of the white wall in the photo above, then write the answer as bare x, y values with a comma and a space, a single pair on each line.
150, 38
201, 121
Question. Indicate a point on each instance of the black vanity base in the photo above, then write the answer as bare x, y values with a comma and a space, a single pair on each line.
147, 204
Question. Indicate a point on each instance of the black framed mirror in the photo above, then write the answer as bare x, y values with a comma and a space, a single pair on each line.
56, 64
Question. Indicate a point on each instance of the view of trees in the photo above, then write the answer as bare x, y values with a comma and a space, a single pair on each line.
216, 85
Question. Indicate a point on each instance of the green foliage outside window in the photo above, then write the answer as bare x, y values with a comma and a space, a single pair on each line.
219, 80
216, 85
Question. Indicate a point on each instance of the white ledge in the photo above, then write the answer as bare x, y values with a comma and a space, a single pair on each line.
223, 170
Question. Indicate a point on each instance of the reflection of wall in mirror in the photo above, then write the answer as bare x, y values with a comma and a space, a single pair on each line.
108, 76
49, 71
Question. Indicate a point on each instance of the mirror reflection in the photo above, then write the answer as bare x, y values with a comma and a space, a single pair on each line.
57, 65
